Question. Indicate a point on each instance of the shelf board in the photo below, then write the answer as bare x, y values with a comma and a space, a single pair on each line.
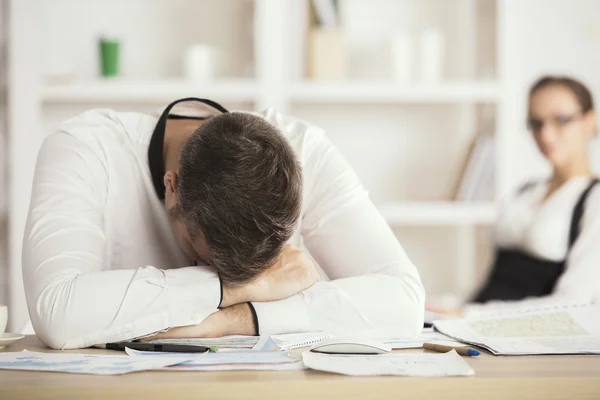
148, 91
389, 92
138, 91
438, 213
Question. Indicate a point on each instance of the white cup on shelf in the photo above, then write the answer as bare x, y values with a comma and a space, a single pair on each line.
199, 63
431, 55
402, 57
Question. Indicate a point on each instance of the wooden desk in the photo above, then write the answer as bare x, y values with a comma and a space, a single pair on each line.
542, 377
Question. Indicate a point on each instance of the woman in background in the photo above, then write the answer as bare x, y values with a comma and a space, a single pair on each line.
548, 235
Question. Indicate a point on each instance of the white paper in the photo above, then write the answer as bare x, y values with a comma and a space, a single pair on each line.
427, 336
558, 330
231, 360
83, 363
266, 343
421, 365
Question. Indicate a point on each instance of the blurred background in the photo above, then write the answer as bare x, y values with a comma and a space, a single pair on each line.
425, 98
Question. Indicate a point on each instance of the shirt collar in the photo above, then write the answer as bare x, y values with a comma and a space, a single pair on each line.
187, 108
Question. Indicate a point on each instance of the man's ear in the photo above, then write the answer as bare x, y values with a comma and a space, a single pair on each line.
170, 180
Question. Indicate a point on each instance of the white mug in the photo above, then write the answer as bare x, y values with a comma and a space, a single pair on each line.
402, 55
432, 54
3, 318
199, 63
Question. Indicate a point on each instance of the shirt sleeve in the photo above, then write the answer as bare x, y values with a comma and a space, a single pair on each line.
579, 284
375, 290
73, 300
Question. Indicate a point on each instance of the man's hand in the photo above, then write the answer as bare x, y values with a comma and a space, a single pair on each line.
234, 320
293, 273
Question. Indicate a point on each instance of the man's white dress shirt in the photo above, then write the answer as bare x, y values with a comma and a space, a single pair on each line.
101, 264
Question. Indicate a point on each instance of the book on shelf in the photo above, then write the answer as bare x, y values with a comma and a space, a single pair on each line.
326, 13
327, 53
476, 178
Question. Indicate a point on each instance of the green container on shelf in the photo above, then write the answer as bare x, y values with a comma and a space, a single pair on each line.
109, 57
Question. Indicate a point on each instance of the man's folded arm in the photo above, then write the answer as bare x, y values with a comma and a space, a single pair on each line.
375, 290
74, 300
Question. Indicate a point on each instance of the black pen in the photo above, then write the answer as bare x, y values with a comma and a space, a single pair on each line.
165, 348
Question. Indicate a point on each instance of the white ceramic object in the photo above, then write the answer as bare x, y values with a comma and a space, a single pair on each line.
402, 57
5, 337
9, 338
199, 63
431, 55
3, 318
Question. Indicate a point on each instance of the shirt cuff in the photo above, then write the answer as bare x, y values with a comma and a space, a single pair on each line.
193, 294
283, 316
254, 318
221, 299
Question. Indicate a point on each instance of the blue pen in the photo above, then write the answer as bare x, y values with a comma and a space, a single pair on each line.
472, 352
462, 350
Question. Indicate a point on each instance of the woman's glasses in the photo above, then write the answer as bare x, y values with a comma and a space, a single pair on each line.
558, 121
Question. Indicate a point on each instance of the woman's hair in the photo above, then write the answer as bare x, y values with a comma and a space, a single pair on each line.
579, 90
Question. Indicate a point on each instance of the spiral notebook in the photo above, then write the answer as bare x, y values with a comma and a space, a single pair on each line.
296, 340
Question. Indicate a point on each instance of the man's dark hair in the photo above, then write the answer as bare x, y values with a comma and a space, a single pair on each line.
240, 187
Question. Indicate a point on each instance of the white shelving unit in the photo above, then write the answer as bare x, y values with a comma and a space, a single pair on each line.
384, 92
247, 90
151, 91
33, 103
